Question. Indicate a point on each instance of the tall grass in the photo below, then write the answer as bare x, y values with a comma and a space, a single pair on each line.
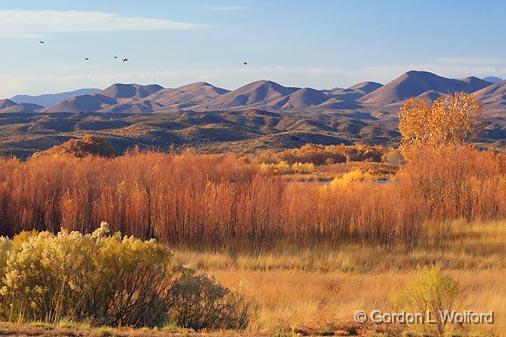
217, 200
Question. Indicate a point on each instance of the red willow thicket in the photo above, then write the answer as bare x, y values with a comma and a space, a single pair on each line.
217, 200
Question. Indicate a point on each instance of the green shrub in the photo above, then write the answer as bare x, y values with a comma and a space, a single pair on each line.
199, 302
430, 291
107, 279
132, 283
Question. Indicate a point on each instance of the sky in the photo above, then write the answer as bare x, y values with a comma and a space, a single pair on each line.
306, 43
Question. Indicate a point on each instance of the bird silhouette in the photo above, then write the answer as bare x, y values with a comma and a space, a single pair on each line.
245, 63
115, 57
42, 42
125, 60
86, 58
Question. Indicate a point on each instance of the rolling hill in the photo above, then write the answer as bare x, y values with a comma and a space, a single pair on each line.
492, 79
418, 83
7, 106
251, 95
132, 91
493, 96
84, 103
52, 99
186, 96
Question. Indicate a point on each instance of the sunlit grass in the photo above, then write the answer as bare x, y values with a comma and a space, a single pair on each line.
468, 247
322, 287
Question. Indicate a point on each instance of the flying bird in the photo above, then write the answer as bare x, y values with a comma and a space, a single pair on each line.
245, 63
86, 58
42, 42
125, 60
115, 57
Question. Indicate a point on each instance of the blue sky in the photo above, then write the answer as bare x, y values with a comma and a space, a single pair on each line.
318, 43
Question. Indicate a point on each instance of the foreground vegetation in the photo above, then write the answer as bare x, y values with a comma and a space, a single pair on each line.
310, 292
107, 279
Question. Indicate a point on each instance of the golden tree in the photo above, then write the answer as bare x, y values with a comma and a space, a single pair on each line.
451, 120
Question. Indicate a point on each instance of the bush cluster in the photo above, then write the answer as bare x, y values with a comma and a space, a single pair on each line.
284, 168
107, 279
324, 154
349, 178
215, 201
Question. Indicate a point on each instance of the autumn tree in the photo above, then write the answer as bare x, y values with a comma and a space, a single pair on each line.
451, 120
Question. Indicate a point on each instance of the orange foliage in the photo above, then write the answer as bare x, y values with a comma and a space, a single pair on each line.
217, 200
450, 120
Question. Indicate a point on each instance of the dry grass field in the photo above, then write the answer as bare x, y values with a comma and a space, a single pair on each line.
316, 289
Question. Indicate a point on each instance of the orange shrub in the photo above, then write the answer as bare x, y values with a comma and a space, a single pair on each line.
218, 200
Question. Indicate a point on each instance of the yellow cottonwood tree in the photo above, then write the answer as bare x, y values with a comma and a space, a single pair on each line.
451, 120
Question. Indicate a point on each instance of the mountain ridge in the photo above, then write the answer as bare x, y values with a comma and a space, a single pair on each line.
415, 83
46, 100
369, 97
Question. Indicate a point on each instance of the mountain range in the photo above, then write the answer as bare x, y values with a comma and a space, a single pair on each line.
259, 115
368, 97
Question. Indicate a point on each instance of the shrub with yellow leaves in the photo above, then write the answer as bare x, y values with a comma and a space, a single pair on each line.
278, 168
284, 168
305, 168
107, 279
352, 177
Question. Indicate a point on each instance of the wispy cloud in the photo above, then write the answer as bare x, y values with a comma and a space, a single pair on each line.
472, 61
32, 23
226, 8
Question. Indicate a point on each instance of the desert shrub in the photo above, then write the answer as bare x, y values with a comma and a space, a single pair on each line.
363, 153
132, 283
324, 154
279, 168
108, 279
284, 168
199, 302
87, 145
45, 277
305, 168
352, 177
430, 291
